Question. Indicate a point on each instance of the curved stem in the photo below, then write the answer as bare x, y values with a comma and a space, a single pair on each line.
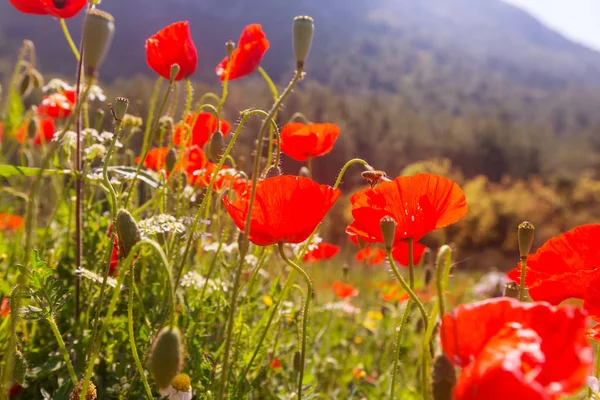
444, 263
299, 115
106, 180
70, 41
63, 349
345, 167
270, 83
147, 149
522, 282
309, 294
134, 352
400, 331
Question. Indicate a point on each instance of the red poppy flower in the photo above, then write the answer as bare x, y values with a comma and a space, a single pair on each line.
14, 390
400, 253
58, 105
1, 132
172, 45
275, 364
10, 221
419, 204
45, 132
114, 260
510, 349
226, 178
300, 141
392, 293
372, 256
155, 159
55, 8
565, 267
322, 251
204, 125
287, 209
247, 56
343, 290
5, 307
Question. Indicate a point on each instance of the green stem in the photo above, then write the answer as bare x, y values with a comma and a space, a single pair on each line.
411, 266
309, 294
522, 282
273, 89
244, 243
151, 110
444, 263
134, 352
309, 166
400, 330
70, 41
221, 102
270, 83
63, 349
299, 115
111, 191
147, 149
345, 167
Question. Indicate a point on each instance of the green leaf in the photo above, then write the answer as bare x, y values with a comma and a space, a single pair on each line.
14, 112
13, 170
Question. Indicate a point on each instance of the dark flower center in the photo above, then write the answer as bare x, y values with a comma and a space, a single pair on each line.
59, 3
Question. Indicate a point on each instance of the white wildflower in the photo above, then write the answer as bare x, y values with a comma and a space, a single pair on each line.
94, 151
314, 242
96, 93
251, 260
56, 85
162, 223
344, 306
594, 386
180, 388
491, 285
193, 279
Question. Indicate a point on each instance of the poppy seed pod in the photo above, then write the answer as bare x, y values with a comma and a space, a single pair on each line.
25, 85
166, 357
303, 30
174, 72
511, 289
525, 237
127, 230
229, 47
388, 231
171, 159
216, 145
304, 172
120, 108
443, 378
98, 32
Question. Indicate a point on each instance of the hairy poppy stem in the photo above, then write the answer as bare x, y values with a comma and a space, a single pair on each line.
345, 167
309, 166
244, 242
399, 336
442, 273
522, 281
309, 295
151, 111
63, 349
300, 116
70, 41
275, 93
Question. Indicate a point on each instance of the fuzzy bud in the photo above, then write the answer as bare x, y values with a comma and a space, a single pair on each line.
443, 378
89, 395
174, 72
304, 172
511, 289
20, 369
216, 145
273, 171
525, 237
32, 128
128, 231
229, 47
120, 108
303, 30
166, 357
388, 231
98, 32
171, 159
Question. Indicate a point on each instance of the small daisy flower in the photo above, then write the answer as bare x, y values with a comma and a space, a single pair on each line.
180, 388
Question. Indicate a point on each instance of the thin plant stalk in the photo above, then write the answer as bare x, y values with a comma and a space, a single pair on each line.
70, 41
522, 282
223, 98
151, 111
309, 295
245, 243
399, 336
63, 349
442, 273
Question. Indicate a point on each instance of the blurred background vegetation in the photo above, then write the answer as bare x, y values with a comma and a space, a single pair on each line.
476, 90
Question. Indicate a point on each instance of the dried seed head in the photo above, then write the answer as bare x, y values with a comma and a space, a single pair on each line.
303, 30
388, 231
98, 32
166, 357
525, 237
229, 47
120, 108
304, 172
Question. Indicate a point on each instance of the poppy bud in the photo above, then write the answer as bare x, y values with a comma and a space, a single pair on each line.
37, 79
25, 85
90, 394
174, 72
20, 369
273, 171
120, 108
304, 172
216, 145
171, 159
229, 47
525, 238
98, 32
32, 128
388, 231
99, 120
166, 357
303, 30
297, 361
511, 289
428, 276
443, 378
127, 230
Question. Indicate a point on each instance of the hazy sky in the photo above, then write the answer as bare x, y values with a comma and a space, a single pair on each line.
578, 20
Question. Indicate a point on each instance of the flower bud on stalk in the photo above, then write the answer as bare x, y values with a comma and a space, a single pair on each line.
303, 30
120, 108
216, 145
128, 231
166, 357
273, 171
525, 237
297, 361
171, 159
229, 47
32, 127
304, 172
443, 378
166, 127
388, 231
174, 72
20, 369
25, 85
98, 32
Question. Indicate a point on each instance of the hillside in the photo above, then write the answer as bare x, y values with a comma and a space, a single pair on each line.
455, 56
